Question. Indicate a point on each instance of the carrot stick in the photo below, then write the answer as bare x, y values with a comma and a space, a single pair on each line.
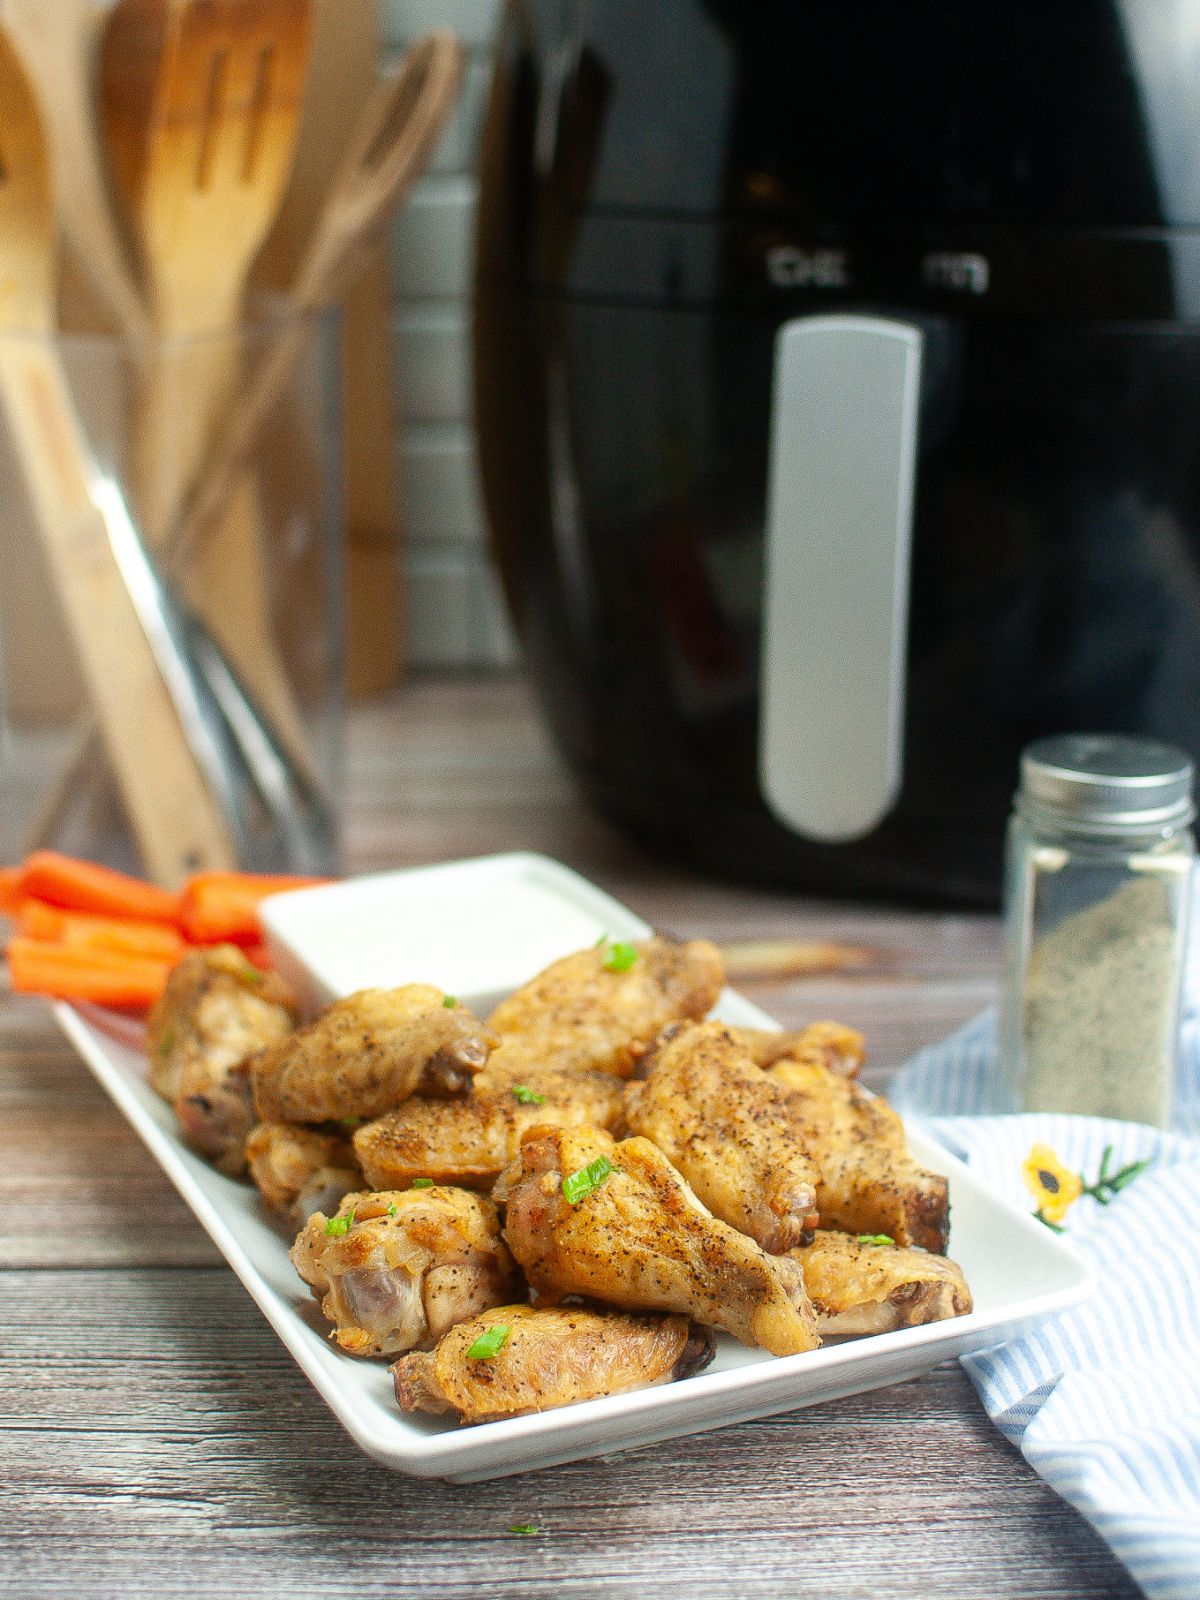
53, 925
65, 973
222, 907
83, 886
10, 890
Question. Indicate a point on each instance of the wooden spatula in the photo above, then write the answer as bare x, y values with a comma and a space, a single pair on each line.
175, 821
200, 103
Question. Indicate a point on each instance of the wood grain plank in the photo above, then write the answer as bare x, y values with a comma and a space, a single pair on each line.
159, 1443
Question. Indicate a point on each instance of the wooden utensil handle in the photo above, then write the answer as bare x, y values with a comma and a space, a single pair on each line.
174, 817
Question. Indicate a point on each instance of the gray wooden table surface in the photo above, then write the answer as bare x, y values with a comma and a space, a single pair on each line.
156, 1441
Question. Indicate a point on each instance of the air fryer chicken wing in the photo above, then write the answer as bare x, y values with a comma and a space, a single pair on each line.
581, 1013
728, 1129
395, 1271
369, 1052
301, 1170
471, 1141
639, 1239
860, 1288
216, 1011
824, 1044
869, 1183
549, 1358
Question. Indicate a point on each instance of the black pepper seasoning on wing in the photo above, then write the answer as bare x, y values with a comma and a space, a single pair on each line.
368, 1053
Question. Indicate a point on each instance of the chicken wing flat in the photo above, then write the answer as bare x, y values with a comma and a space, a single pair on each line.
549, 1358
729, 1130
582, 1014
471, 1141
869, 1183
824, 1044
860, 1288
368, 1053
396, 1271
639, 1239
301, 1170
216, 1011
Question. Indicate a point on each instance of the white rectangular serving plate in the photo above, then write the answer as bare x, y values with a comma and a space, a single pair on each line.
477, 929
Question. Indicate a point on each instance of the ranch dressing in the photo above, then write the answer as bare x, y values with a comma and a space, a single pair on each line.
1098, 867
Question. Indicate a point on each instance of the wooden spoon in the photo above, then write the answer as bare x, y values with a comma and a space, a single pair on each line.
200, 103
57, 43
174, 818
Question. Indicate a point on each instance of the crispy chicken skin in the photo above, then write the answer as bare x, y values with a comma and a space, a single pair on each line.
216, 1011
369, 1052
579, 1015
551, 1357
869, 1183
824, 1044
728, 1129
301, 1170
865, 1288
471, 1141
642, 1241
411, 1265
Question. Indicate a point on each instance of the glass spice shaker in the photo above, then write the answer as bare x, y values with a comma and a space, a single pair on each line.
1097, 877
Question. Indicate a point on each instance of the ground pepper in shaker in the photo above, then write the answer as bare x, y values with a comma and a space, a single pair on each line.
1097, 878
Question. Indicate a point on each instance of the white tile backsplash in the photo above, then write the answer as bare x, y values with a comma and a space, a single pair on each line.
457, 615
441, 485
433, 356
472, 20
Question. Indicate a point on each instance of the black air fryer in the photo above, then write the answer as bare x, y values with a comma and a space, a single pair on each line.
838, 390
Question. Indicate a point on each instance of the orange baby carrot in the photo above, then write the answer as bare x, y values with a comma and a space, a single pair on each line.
83, 886
53, 925
65, 973
222, 907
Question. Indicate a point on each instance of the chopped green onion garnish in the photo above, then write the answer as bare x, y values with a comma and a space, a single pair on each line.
422, 1183
337, 1226
392, 1210
875, 1238
527, 1097
490, 1344
522, 1527
600, 942
449, 1001
620, 957
576, 1186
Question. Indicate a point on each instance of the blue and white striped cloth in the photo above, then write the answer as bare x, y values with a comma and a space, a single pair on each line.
1104, 1400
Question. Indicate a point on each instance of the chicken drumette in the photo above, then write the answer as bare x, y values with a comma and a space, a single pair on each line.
824, 1044
588, 1011
859, 1286
470, 1141
216, 1012
369, 1052
616, 1222
869, 1182
301, 1170
547, 1358
395, 1271
730, 1132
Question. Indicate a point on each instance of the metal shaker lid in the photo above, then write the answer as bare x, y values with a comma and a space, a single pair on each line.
1106, 783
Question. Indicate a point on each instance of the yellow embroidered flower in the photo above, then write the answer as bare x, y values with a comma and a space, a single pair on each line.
1052, 1185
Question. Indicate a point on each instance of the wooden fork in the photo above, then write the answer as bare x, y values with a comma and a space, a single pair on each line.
200, 104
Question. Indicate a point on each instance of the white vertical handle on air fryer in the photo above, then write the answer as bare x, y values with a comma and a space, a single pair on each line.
836, 572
